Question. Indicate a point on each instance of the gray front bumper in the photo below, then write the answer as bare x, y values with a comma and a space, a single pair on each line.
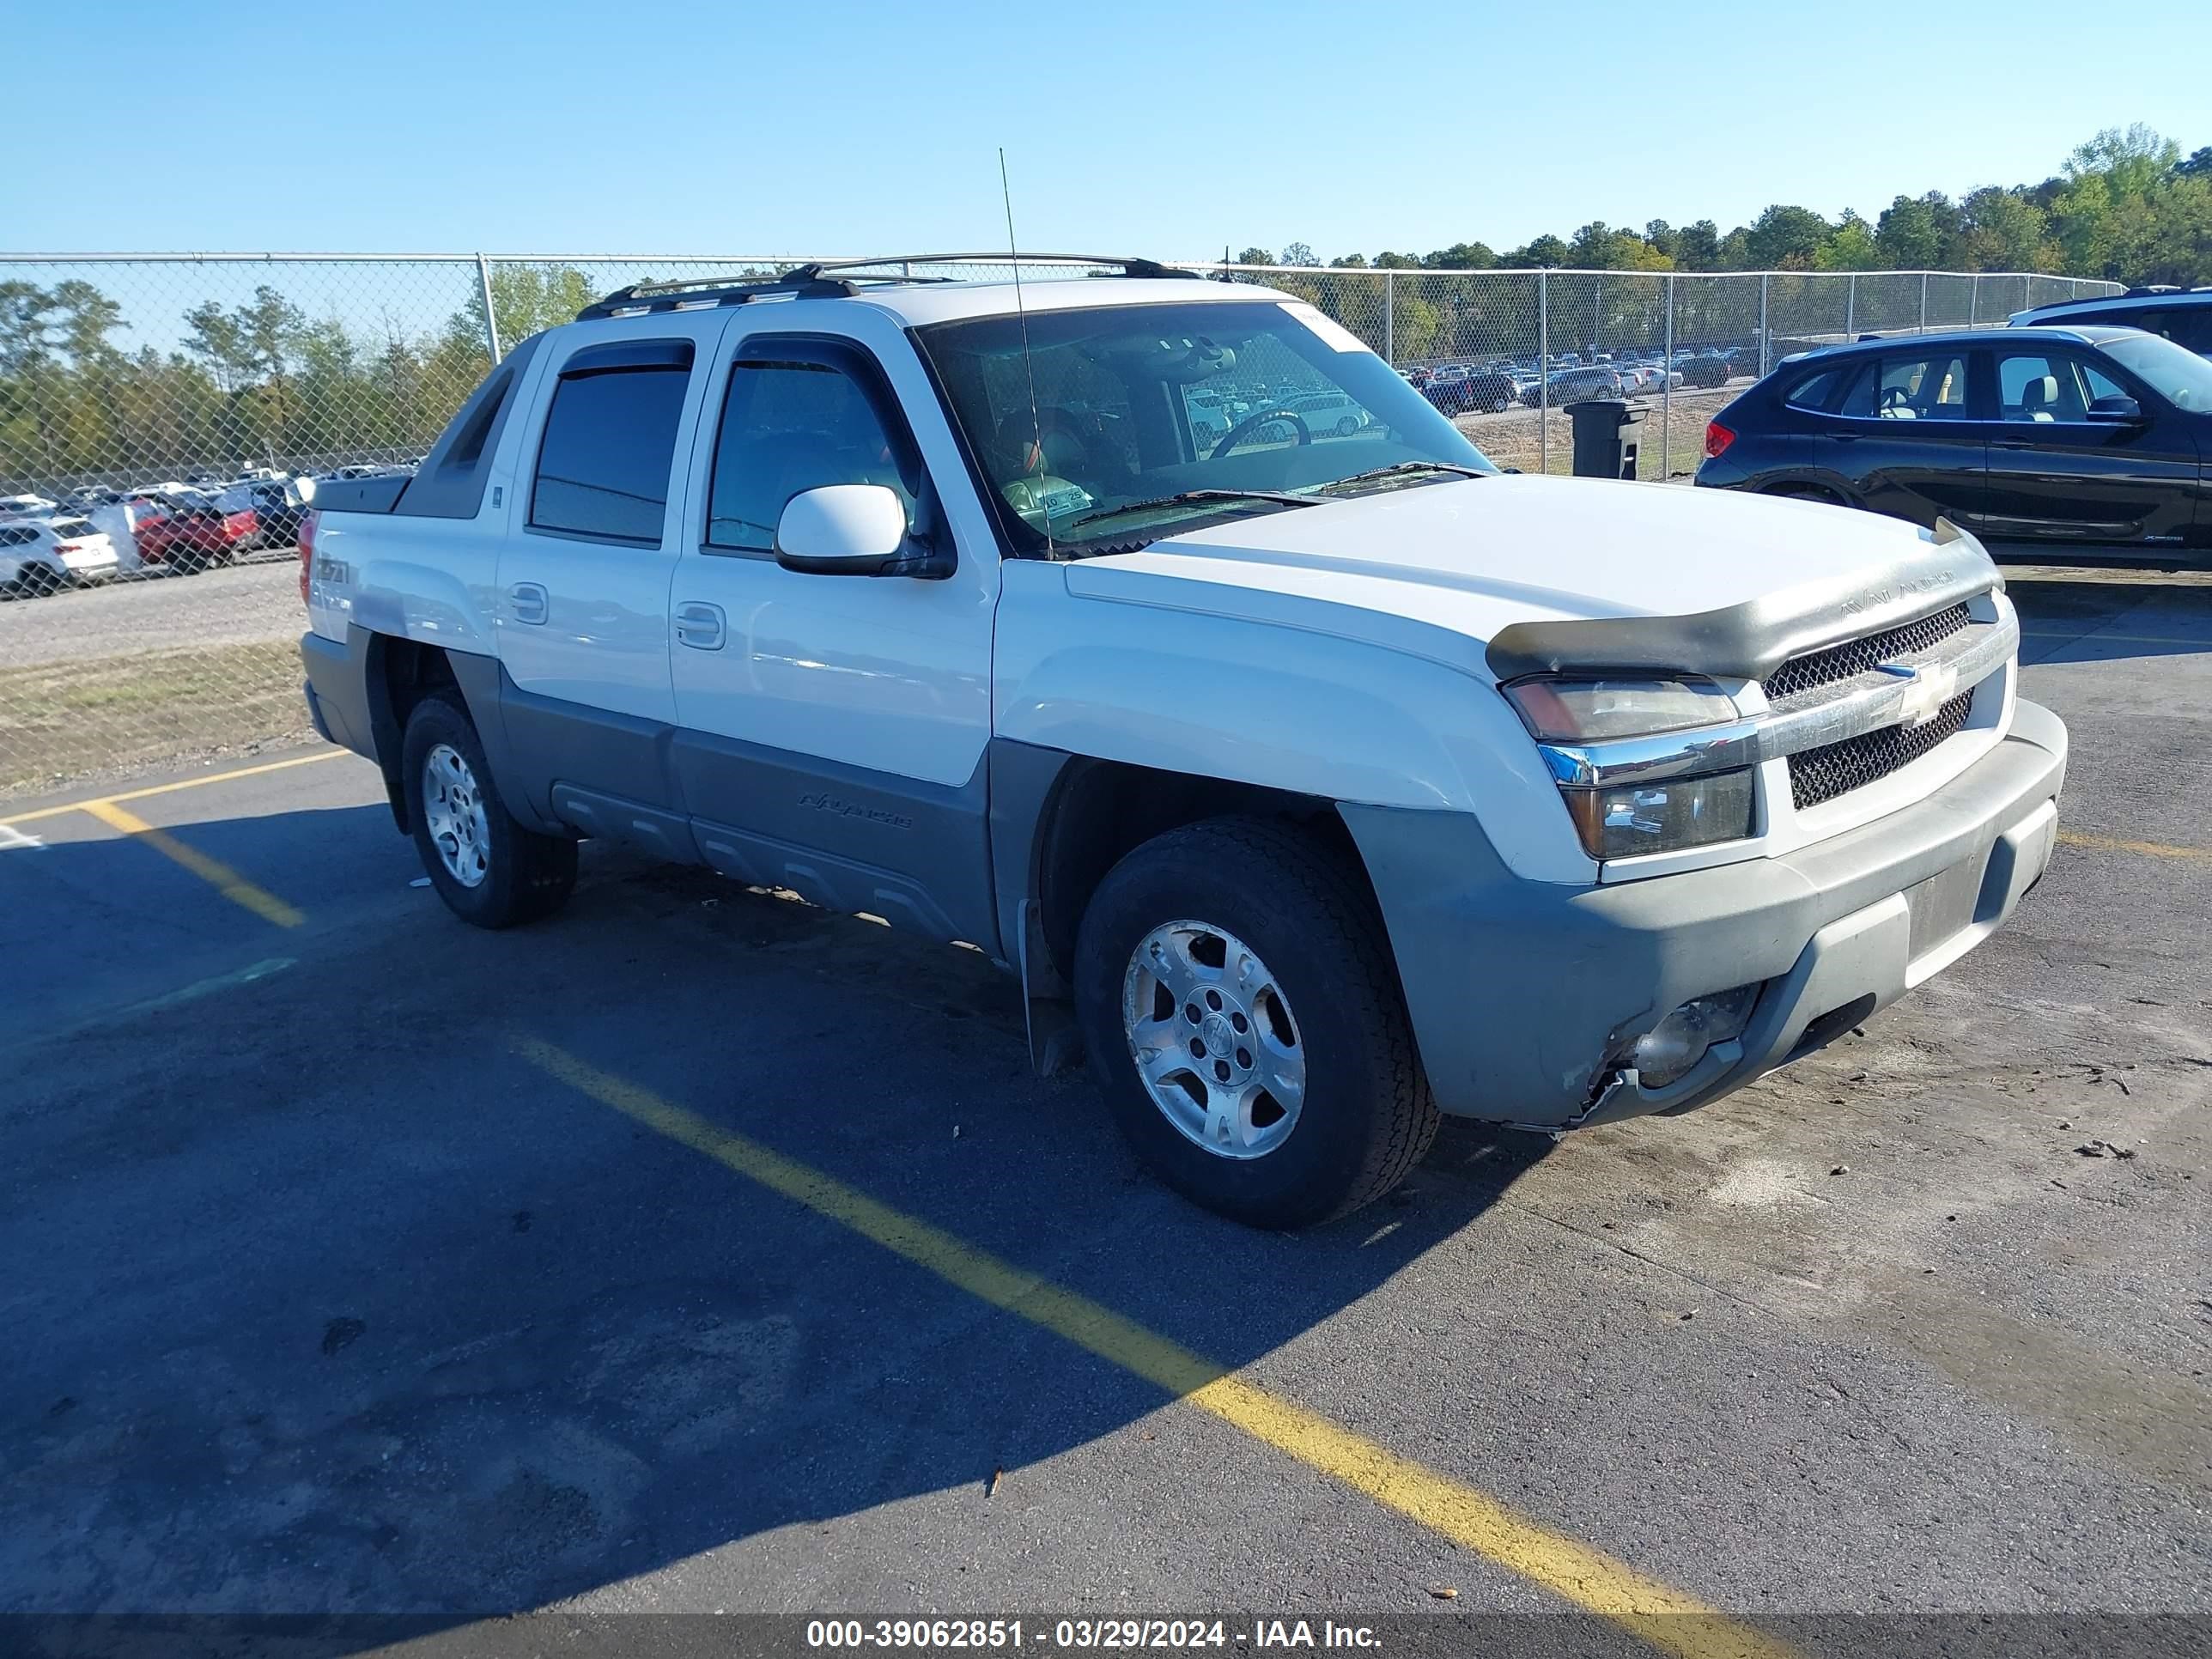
1518, 990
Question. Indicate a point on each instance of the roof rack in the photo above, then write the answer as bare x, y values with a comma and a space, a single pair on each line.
811, 282
1127, 265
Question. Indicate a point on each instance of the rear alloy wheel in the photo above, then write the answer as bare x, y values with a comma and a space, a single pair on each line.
488, 869
38, 581
1241, 1005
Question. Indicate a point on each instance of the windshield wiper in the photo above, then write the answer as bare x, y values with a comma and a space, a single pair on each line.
1184, 497
1400, 468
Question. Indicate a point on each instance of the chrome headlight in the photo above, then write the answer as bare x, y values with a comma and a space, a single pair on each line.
1591, 711
1631, 784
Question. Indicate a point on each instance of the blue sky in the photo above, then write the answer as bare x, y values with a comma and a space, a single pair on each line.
1166, 128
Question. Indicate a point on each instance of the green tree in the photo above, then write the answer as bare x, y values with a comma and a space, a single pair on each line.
1298, 254
2001, 230
1255, 256
1914, 231
1851, 246
1785, 238
1697, 246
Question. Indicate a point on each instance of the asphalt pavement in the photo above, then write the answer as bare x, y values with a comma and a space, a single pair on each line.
360, 1260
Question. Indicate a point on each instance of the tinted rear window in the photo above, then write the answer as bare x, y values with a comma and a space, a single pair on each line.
73, 527
610, 444
1814, 391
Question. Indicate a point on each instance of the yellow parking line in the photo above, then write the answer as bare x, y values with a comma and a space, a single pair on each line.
1586, 1576
168, 789
2155, 849
217, 874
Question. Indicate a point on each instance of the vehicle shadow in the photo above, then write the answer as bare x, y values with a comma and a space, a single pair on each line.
2090, 621
324, 1299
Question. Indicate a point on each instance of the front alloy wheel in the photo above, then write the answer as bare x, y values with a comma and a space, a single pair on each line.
1213, 1039
453, 811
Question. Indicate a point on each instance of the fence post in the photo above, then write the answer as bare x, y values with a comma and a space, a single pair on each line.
1851, 307
1923, 302
1543, 371
491, 323
1667, 387
1390, 317
1762, 325
1974, 301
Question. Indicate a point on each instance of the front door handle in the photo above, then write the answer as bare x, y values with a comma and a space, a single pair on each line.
529, 601
700, 625
2010, 443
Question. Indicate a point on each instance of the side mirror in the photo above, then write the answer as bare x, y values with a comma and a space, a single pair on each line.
843, 530
2116, 411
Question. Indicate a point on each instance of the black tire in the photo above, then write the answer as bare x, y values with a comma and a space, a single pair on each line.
1367, 1115
526, 876
38, 581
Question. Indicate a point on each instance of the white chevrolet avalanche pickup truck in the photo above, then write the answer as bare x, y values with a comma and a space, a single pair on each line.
1315, 777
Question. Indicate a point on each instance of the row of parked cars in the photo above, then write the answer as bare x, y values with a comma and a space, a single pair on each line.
97, 532
1496, 386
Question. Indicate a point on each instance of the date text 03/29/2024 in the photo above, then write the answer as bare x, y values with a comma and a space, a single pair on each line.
995, 1635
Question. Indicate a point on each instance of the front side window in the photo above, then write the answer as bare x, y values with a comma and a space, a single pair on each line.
789, 427
1910, 389
610, 446
1112, 426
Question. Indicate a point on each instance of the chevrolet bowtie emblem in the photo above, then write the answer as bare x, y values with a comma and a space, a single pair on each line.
1931, 687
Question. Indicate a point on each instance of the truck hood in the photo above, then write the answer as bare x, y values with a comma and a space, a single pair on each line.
1527, 574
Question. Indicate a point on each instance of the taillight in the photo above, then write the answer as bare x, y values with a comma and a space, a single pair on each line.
306, 552
1717, 438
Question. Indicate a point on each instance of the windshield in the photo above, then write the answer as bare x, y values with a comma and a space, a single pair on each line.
1150, 419
2175, 372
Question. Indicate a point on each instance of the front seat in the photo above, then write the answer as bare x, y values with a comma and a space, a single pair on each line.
2036, 398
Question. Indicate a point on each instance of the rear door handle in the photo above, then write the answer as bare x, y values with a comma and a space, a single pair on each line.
699, 625
529, 601
2010, 443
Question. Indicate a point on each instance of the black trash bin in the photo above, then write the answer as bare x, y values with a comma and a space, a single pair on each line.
1607, 433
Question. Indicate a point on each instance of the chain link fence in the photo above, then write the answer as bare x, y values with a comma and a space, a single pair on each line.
172, 405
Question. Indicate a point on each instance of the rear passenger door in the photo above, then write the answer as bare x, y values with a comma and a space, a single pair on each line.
832, 729
1906, 436
584, 572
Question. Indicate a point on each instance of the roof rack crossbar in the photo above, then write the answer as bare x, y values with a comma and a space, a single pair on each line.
814, 282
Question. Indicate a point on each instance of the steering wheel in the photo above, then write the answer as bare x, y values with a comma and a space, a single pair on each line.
1235, 434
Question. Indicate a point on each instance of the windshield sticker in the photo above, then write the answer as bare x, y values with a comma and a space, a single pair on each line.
1336, 334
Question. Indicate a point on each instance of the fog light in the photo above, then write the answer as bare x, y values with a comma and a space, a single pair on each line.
1671, 1050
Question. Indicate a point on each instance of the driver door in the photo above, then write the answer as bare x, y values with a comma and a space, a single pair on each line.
832, 729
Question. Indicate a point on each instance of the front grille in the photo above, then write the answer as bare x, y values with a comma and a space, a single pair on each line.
1837, 768
1855, 656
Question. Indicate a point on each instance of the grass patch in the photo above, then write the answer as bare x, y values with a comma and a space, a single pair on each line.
66, 719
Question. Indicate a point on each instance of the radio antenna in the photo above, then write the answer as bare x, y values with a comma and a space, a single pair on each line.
1029, 364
